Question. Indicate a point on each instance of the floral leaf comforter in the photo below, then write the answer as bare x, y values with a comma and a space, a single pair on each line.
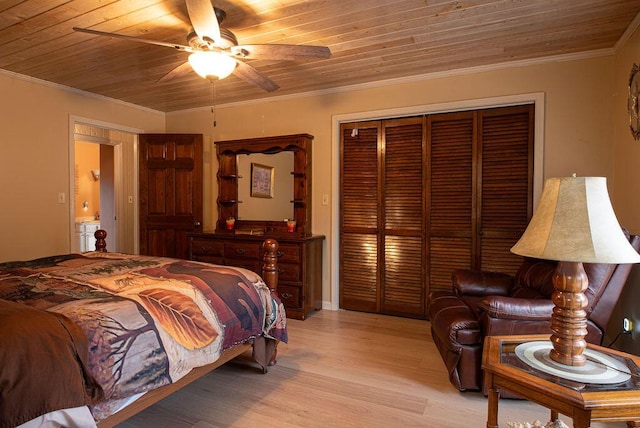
148, 320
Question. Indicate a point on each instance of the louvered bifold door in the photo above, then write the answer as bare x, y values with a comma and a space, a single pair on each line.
403, 268
359, 218
506, 141
450, 195
421, 197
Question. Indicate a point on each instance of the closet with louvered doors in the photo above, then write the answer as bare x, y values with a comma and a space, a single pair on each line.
421, 196
382, 249
480, 190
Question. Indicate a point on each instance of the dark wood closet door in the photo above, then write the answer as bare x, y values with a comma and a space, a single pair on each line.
403, 276
170, 170
506, 185
480, 190
382, 204
359, 219
451, 199
425, 195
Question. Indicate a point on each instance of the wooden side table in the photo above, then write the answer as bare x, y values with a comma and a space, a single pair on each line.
582, 402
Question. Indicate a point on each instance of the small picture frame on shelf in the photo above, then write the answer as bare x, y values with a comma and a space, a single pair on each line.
261, 181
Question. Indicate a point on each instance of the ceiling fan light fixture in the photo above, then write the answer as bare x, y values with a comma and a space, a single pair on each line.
212, 64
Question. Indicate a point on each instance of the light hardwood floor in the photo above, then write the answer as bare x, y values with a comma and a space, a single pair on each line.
340, 369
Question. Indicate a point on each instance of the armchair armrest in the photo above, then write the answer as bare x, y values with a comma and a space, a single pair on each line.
515, 308
480, 283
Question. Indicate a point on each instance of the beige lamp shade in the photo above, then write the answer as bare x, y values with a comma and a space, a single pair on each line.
575, 222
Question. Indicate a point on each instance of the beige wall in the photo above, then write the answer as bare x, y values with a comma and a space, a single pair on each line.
626, 149
625, 192
34, 160
579, 96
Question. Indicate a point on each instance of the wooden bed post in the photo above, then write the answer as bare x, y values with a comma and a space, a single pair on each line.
101, 243
265, 351
270, 264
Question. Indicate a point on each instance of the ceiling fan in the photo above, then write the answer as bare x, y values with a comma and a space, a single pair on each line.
214, 50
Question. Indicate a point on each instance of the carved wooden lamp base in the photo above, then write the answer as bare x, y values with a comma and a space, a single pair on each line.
569, 320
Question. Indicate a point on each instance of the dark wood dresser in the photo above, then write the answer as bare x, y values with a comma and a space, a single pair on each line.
299, 264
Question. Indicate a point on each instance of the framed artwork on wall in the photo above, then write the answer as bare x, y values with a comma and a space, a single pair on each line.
261, 181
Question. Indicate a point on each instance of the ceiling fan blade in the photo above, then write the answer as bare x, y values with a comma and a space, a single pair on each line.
134, 39
253, 76
280, 52
204, 20
180, 71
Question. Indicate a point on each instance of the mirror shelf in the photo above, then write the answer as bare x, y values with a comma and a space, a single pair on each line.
299, 196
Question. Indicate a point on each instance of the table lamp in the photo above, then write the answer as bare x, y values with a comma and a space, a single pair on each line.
573, 224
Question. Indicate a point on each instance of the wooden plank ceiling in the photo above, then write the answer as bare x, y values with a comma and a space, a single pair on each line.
370, 41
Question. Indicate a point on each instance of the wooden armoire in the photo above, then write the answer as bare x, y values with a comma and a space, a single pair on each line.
421, 196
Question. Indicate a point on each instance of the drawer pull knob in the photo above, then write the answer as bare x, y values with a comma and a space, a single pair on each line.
279, 253
206, 249
280, 271
241, 251
286, 296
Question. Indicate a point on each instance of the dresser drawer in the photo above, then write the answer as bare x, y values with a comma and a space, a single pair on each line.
288, 272
206, 247
241, 250
290, 295
288, 253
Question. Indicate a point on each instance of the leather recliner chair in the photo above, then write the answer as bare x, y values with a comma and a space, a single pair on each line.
484, 304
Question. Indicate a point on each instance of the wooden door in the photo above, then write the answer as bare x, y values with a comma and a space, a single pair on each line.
504, 186
382, 204
452, 202
359, 216
425, 195
170, 192
402, 235
480, 190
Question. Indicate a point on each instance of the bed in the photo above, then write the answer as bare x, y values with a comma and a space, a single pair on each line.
97, 337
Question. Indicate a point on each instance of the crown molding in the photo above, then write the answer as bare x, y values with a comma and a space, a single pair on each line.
627, 33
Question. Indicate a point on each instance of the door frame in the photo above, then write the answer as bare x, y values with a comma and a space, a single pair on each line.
121, 198
536, 98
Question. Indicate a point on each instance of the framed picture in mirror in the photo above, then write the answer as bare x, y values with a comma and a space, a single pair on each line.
261, 181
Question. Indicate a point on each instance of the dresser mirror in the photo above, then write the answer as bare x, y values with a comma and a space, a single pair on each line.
262, 183
278, 206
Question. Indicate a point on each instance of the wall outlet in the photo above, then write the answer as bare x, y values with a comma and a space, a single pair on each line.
627, 325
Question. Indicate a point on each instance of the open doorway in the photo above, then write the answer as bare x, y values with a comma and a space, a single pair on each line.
104, 184
94, 195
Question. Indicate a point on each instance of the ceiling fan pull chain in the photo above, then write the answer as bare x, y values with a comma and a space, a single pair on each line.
213, 102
